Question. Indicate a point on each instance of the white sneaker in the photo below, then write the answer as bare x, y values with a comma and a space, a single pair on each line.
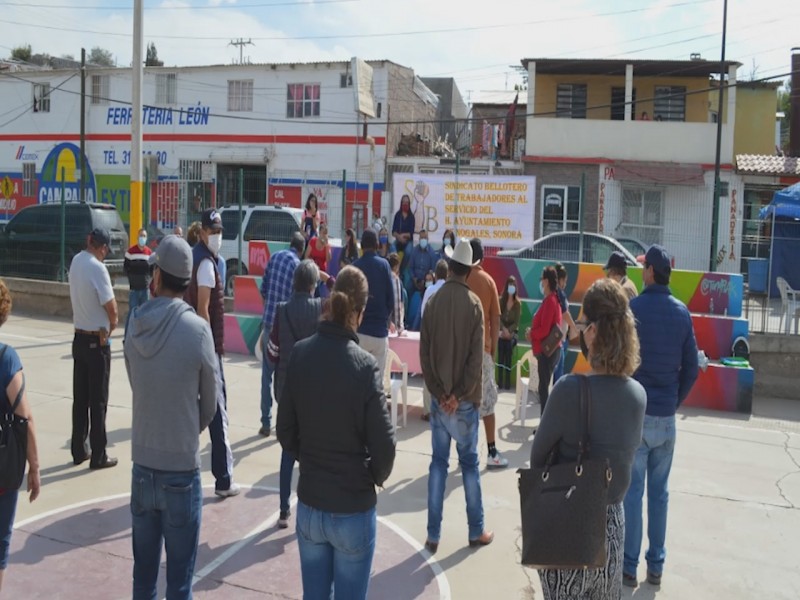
496, 462
231, 491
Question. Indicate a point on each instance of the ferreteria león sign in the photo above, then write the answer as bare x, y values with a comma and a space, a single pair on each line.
156, 115
499, 210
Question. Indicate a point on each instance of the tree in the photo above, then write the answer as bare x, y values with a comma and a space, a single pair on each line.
22, 53
152, 57
785, 106
101, 56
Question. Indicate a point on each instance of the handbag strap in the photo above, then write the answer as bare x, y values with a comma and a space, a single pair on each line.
586, 413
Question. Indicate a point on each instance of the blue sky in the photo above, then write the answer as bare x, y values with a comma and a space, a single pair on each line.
473, 41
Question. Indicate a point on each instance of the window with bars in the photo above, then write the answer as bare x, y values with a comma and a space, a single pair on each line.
670, 103
642, 215
240, 95
571, 100
100, 89
41, 97
166, 88
29, 179
302, 100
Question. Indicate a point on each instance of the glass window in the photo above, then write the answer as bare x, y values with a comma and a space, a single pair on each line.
302, 100
166, 88
41, 97
23, 222
561, 208
642, 215
240, 95
618, 103
571, 100
270, 225
670, 103
100, 89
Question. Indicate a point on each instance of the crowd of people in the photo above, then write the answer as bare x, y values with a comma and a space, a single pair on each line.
641, 351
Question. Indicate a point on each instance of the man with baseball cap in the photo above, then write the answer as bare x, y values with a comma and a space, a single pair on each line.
617, 269
451, 355
94, 314
206, 295
171, 363
668, 371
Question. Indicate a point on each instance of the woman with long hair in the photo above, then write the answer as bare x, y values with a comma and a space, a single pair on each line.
12, 383
318, 249
510, 309
347, 448
349, 250
547, 316
310, 217
448, 241
384, 245
610, 344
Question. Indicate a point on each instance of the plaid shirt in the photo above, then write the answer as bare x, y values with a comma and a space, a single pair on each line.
276, 285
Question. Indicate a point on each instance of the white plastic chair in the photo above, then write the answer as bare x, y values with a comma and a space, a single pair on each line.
398, 386
524, 384
790, 304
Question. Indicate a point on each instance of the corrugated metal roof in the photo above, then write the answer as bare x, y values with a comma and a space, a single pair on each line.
616, 66
765, 164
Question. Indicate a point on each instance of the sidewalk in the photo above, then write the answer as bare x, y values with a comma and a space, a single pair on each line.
733, 530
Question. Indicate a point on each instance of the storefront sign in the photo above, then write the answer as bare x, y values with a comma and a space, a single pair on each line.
61, 172
285, 195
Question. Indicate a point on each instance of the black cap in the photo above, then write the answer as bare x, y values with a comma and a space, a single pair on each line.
99, 235
477, 249
211, 219
658, 258
616, 261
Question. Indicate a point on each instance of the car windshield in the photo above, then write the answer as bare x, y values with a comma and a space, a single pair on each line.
230, 223
108, 218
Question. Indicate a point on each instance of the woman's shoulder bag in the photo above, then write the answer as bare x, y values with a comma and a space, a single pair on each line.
13, 441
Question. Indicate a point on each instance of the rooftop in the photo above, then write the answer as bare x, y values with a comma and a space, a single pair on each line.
603, 66
765, 164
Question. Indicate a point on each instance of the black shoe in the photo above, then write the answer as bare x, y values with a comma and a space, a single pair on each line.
265, 431
106, 463
79, 461
431, 547
654, 578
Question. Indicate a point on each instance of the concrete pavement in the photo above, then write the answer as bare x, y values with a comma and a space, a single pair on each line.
733, 528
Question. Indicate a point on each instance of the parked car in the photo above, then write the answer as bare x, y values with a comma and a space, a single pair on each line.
634, 246
30, 244
564, 246
259, 222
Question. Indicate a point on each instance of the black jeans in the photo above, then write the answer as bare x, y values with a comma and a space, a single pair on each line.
90, 373
546, 366
505, 350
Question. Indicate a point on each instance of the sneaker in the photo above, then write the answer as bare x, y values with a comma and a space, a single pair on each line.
283, 519
231, 491
653, 578
496, 462
265, 431
629, 580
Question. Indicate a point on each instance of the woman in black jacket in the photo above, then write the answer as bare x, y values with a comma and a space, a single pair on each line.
338, 426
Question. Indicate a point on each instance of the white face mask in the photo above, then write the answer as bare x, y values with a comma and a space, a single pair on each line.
215, 243
542, 289
512, 290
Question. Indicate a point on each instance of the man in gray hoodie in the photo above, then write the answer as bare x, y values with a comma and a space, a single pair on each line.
170, 358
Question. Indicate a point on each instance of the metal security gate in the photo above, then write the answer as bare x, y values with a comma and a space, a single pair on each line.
181, 200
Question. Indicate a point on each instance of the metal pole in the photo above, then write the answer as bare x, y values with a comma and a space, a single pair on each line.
63, 245
371, 186
136, 118
241, 219
715, 208
580, 218
771, 247
344, 199
455, 203
146, 219
83, 126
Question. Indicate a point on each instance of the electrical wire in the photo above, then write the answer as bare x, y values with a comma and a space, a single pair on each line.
185, 7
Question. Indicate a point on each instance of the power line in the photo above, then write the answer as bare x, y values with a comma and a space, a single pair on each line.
152, 8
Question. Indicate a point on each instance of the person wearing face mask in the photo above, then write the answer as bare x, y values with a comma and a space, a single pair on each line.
139, 273
349, 252
205, 295
422, 262
548, 315
403, 229
384, 247
617, 406
510, 309
448, 241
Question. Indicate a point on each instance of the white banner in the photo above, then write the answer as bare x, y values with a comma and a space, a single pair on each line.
499, 210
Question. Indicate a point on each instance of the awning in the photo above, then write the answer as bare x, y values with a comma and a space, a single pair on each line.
659, 173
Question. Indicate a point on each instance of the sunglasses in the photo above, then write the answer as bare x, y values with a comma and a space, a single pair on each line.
583, 324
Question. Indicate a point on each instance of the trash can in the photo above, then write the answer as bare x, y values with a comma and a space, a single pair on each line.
757, 270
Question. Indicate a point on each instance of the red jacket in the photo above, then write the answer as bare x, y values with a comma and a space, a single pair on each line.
549, 314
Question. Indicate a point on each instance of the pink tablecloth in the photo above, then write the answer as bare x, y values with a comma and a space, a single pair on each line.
407, 348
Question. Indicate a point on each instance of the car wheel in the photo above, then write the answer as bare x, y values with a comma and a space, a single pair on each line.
231, 276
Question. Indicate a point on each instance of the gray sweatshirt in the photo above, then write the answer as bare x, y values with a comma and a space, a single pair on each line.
169, 355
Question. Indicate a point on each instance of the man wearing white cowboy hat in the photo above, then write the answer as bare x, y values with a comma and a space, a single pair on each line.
451, 355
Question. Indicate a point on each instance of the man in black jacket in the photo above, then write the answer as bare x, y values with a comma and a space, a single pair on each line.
138, 271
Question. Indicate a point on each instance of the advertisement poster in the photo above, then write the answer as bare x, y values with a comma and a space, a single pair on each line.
499, 210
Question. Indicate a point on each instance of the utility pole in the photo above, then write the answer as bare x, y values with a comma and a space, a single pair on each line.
241, 43
717, 183
83, 126
136, 121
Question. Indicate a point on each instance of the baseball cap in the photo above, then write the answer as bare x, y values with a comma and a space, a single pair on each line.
658, 258
173, 256
99, 235
616, 261
211, 219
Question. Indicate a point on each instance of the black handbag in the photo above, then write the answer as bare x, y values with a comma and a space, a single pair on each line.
553, 340
563, 506
13, 442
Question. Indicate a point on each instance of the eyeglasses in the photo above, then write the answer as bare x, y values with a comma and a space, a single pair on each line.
583, 324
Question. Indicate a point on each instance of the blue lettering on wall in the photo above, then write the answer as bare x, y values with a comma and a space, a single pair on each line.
153, 115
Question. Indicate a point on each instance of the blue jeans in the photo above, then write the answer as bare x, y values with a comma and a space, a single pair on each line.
135, 298
559, 370
287, 466
266, 383
462, 426
653, 459
8, 507
335, 552
165, 507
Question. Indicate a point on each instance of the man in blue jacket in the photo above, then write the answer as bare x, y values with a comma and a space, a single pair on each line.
668, 371
373, 333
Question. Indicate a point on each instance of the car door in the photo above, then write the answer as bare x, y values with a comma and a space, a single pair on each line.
599, 249
557, 248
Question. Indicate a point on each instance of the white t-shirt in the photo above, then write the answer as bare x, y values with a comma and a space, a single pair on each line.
206, 277
89, 289
429, 294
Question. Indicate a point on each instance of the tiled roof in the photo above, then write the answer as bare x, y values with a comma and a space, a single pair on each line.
765, 164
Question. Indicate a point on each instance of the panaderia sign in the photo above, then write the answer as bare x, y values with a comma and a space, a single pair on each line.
499, 210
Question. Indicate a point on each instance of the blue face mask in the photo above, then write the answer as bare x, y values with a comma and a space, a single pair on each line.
423, 243
447, 241
512, 290
383, 239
